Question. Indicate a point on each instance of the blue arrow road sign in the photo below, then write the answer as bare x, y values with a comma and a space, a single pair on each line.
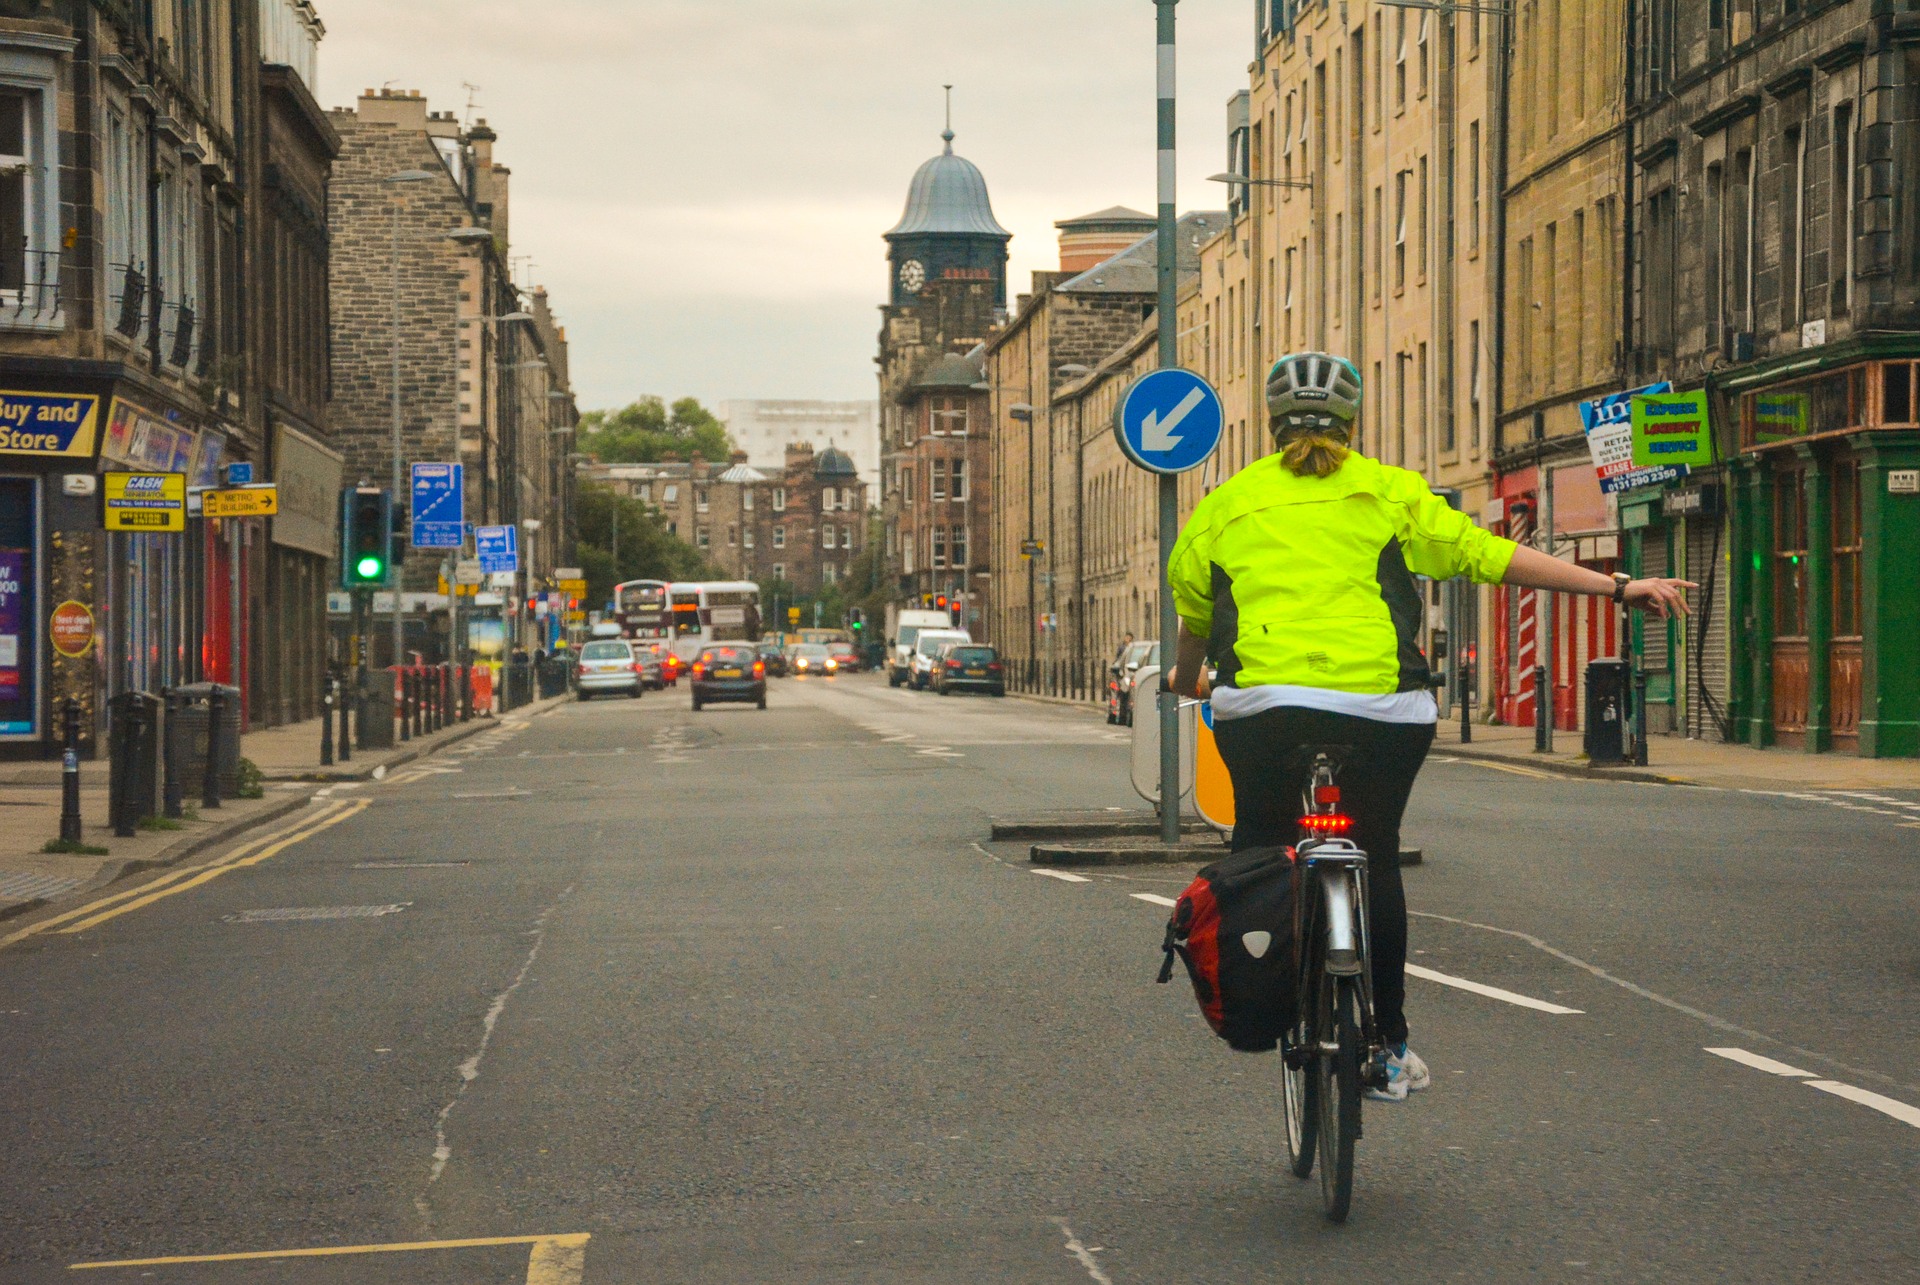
437, 506
1169, 421
498, 547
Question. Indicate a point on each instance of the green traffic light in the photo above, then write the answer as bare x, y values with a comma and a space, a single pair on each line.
368, 568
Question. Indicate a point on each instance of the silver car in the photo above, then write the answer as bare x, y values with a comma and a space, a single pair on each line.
608, 665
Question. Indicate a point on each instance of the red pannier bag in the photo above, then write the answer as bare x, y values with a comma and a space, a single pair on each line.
1237, 929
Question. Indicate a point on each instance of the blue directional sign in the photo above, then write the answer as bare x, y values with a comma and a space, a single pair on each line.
239, 473
1169, 421
436, 514
498, 547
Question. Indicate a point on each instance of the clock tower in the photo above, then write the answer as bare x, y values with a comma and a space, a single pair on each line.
947, 233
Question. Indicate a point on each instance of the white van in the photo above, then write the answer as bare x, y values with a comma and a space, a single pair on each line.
906, 629
926, 653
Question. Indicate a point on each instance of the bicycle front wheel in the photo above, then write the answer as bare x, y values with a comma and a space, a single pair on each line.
1337, 1072
1300, 1093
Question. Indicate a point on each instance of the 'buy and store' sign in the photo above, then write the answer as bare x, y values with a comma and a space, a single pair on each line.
48, 423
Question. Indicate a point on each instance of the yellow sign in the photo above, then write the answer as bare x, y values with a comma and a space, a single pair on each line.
144, 502
48, 423
241, 502
1212, 786
793, 615
575, 587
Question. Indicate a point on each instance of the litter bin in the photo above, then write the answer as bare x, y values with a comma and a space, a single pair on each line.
553, 678
519, 683
187, 738
1606, 740
375, 723
133, 740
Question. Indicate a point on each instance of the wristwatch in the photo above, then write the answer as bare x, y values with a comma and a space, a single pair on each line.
1620, 582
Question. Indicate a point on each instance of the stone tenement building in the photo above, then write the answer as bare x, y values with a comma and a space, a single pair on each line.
943, 460
1776, 266
947, 263
802, 525
163, 258
482, 370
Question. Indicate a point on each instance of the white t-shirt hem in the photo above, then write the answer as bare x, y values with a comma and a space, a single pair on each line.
1399, 707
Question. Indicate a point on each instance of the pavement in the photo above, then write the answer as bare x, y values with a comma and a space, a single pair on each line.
625, 993
30, 802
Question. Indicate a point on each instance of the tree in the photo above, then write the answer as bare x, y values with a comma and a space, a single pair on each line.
647, 431
647, 550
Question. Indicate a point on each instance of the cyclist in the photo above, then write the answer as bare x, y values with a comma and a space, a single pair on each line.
1295, 577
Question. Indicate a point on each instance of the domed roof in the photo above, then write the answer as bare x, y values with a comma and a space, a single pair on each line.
949, 195
951, 371
834, 462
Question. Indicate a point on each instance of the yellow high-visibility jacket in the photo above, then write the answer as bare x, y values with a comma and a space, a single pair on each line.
1308, 581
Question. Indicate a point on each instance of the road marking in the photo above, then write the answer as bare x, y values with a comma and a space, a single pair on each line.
1063, 876
290, 914
1517, 771
209, 873
1759, 1063
409, 865
552, 1260
1491, 992
1885, 1106
1082, 1254
1155, 898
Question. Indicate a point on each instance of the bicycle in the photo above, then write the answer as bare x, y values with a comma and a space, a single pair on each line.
1332, 1056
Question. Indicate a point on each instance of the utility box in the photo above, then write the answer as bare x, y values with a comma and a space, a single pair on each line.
375, 723
1606, 739
187, 738
133, 739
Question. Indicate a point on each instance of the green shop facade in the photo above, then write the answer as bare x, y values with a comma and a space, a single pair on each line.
1805, 539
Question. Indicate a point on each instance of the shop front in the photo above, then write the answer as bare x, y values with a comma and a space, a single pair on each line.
1826, 530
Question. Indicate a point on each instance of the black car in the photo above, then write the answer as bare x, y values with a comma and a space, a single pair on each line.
969, 667
774, 658
726, 673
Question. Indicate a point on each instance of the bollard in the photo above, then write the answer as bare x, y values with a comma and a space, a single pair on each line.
1640, 718
346, 738
399, 680
70, 772
172, 789
326, 722
126, 823
419, 701
1542, 709
210, 778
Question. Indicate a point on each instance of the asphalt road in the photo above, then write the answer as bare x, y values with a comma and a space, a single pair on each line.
742, 996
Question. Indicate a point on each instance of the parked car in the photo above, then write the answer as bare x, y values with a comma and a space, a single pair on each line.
1120, 680
607, 666
969, 667
656, 658
812, 660
926, 647
728, 673
774, 658
848, 656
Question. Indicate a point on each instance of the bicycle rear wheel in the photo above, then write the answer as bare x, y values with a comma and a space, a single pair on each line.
1337, 1073
1300, 1093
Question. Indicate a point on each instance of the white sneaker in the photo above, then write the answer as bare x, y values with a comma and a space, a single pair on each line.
1406, 1073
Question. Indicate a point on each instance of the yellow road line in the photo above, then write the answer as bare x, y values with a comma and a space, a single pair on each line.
171, 876
1517, 771
554, 1260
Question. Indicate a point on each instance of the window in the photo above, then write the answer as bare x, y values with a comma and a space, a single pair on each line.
1400, 60
700, 499
957, 475
1473, 183
1378, 245
670, 495
939, 546
1423, 213
1740, 234
1473, 378
29, 209
779, 499
700, 537
780, 537
1793, 214
779, 568
937, 481
950, 416
1400, 230
827, 531
644, 491
826, 499
906, 486
746, 499
1789, 555
1421, 53
829, 573
1841, 222
959, 546
733, 536
1715, 256
746, 538
1657, 272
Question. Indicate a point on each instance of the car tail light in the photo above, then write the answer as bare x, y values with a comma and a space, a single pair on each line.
698, 669
953, 664
1326, 823
759, 669
639, 668
993, 667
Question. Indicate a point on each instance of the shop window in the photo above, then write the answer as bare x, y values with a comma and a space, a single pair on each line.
1847, 545
1896, 394
1789, 555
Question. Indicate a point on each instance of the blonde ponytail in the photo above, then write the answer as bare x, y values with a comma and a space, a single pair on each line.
1314, 453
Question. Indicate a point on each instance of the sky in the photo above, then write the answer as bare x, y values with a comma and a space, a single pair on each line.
702, 185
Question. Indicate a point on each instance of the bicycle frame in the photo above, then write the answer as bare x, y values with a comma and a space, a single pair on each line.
1341, 869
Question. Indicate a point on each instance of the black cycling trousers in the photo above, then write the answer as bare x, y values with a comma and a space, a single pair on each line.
1268, 756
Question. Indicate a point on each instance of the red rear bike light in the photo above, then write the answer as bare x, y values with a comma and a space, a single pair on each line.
1326, 823
1323, 794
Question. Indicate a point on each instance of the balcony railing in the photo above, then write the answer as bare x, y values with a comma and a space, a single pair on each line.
131, 300
30, 285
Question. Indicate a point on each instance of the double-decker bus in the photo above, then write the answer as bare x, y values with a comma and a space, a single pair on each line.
711, 611
640, 609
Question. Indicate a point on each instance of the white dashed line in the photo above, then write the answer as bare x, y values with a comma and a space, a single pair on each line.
1759, 1063
1155, 898
1063, 876
1885, 1106
1491, 992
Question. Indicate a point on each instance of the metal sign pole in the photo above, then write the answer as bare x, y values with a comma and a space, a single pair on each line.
1168, 254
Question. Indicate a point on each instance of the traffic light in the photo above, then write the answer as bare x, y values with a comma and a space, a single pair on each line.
366, 537
940, 602
857, 617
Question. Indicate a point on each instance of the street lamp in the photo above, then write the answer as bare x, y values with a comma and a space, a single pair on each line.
399, 477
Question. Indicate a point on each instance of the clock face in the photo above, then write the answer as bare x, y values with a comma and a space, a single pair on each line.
913, 275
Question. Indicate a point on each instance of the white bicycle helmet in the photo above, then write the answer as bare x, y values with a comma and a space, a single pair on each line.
1313, 390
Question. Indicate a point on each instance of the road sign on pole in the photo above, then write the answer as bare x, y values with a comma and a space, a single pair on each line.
498, 548
1169, 420
437, 496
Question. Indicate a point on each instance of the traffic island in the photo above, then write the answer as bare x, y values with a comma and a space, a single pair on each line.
1114, 824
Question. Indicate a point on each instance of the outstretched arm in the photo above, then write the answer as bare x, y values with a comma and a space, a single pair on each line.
1188, 677
1535, 570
